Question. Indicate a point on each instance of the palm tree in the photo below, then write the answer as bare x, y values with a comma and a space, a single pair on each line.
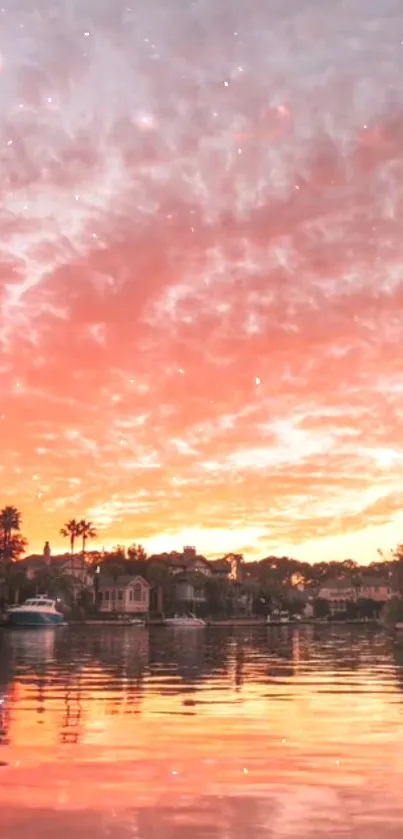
86, 531
71, 530
10, 520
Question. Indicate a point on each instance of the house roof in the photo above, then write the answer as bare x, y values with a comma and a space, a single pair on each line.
220, 565
32, 561
184, 561
179, 560
75, 559
38, 561
375, 581
121, 581
339, 585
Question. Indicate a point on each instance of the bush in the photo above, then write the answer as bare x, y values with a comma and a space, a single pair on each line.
321, 608
392, 612
367, 608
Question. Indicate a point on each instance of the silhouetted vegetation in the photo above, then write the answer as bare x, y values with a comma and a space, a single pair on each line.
392, 612
186, 580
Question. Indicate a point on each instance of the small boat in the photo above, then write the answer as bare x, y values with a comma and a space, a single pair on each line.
40, 611
278, 618
126, 620
185, 620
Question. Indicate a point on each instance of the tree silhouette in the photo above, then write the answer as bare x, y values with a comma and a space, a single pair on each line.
86, 530
12, 543
10, 520
12, 579
136, 551
71, 530
55, 582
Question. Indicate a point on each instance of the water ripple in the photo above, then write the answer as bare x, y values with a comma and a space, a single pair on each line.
193, 724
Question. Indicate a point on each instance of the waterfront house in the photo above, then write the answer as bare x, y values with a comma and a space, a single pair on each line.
73, 565
339, 593
375, 588
221, 568
190, 592
189, 561
76, 566
193, 592
32, 565
123, 594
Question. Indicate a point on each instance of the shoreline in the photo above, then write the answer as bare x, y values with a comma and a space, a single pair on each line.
229, 623
232, 622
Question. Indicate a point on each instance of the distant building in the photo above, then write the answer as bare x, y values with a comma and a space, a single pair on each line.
188, 561
73, 565
32, 565
124, 595
338, 593
221, 568
375, 588
189, 591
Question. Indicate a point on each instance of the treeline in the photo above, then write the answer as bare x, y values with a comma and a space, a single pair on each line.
269, 572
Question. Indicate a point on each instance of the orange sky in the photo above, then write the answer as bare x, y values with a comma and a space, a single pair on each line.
200, 277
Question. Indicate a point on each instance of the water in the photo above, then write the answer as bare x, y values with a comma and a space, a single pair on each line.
182, 734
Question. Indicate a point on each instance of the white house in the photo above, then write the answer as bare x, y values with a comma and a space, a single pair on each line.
124, 595
73, 565
338, 593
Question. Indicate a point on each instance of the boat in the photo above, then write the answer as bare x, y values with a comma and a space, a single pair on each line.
278, 618
127, 621
185, 620
39, 611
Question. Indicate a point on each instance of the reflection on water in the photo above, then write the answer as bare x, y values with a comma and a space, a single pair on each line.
175, 733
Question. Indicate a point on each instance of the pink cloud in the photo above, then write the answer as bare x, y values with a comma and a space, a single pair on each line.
200, 272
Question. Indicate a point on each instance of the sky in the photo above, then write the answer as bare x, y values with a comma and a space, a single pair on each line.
201, 273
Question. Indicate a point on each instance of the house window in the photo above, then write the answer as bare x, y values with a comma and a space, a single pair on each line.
106, 595
131, 594
120, 595
101, 596
138, 592
113, 594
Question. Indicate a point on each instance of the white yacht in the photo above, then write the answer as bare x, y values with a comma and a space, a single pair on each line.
185, 620
40, 611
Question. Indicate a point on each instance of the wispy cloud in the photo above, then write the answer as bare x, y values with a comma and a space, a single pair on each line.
201, 273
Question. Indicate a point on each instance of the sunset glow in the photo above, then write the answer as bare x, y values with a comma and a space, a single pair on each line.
201, 298
238, 738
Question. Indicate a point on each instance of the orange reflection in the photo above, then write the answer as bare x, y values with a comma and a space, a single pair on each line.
162, 720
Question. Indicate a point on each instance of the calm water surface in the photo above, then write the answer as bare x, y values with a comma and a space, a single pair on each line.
170, 734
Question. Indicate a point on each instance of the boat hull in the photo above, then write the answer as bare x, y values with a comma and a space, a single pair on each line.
185, 624
34, 619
